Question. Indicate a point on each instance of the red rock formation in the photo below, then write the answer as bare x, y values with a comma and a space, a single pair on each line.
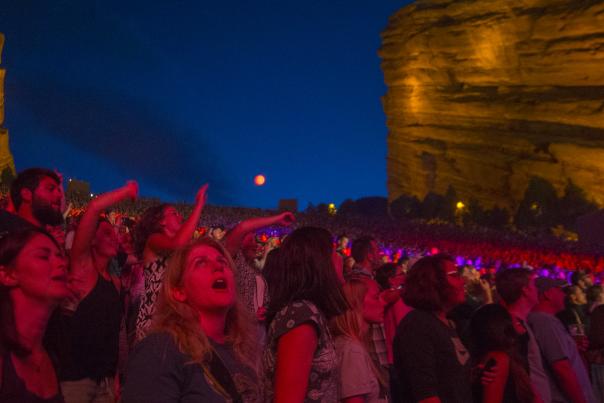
484, 94
6, 158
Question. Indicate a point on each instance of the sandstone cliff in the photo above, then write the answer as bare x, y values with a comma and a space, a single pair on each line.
6, 158
483, 94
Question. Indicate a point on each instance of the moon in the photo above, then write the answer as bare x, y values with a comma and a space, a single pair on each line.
259, 180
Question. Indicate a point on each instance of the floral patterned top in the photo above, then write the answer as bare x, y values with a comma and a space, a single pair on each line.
154, 274
323, 378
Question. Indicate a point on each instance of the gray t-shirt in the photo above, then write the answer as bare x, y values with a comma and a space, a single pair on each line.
356, 375
539, 376
556, 344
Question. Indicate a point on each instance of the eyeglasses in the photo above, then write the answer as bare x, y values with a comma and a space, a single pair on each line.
453, 273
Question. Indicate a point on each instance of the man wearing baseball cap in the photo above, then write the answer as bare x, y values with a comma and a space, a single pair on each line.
570, 381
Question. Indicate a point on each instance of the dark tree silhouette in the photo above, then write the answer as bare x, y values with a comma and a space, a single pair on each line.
538, 207
432, 206
572, 205
405, 207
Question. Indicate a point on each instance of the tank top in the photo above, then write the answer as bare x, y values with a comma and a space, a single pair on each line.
88, 341
13, 390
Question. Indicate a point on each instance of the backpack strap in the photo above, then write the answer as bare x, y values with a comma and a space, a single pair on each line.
221, 378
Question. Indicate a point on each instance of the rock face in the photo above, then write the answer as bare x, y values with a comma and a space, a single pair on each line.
6, 158
484, 94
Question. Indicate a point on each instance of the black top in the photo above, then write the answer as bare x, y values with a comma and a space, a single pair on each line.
12, 222
13, 390
430, 360
574, 315
158, 372
86, 343
509, 391
461, 316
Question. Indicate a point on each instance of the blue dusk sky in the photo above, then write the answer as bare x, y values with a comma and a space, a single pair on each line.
178, 93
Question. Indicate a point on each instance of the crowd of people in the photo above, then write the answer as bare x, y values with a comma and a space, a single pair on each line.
186, 303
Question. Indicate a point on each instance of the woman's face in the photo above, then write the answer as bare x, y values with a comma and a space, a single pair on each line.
218, 233
578, 296
172, 220
209, 283
373, 308
397, 280
456, 282
250, 248
39, 271
105, 240
126, 242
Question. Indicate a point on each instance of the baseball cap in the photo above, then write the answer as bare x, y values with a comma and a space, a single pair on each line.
546, 283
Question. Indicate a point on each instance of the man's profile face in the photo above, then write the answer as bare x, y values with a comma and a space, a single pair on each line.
585, 282
557, 297
46, 202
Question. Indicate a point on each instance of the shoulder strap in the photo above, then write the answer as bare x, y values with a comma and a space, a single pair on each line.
116, 283
577, 317
221, 375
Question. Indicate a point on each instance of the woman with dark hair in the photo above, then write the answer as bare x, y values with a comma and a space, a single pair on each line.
299, 361
201, 346
431, 362
595, 297
494, 342
160, 232
33, 281
85, 337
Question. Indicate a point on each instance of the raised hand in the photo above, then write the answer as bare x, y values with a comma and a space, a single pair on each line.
286, 219
132, 189
485, 373
61, 188
202, 195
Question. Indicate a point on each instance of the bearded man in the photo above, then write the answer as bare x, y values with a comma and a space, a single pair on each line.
36, 197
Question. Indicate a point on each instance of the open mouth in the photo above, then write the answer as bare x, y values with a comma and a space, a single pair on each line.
60, 277
219, 284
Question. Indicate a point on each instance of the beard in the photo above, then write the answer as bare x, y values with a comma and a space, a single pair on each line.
45, 213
